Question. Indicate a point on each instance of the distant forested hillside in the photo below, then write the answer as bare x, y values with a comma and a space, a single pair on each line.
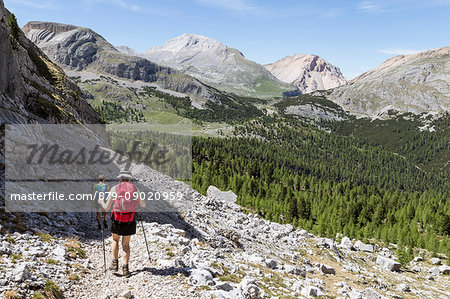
288, 171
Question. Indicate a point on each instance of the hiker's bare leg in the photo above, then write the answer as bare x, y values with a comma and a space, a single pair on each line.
115, 246
104, 215
126, 249
98, 217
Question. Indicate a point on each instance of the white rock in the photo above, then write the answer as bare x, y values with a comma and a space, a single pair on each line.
21, 272
271, 264
58, 253
126, 294
388, 264
444, 269
201, 277
214, 192
347, 243
311, 291
249, 288
434, 271
418, 259
435, 261
364, 247
403, 287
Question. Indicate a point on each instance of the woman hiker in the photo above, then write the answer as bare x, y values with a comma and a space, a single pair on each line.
124, 199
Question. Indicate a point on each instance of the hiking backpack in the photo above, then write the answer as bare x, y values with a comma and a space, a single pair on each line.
101, 189
125, 203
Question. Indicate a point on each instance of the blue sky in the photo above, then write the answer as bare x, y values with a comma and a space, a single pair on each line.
353, 35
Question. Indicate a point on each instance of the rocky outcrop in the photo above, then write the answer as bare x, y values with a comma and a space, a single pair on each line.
308, 72
81, 49
414, 83
32, 87
216, 64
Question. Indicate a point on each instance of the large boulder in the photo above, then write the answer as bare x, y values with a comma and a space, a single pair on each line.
444, 269
347, 243
388, 264
311, 291
364, 247
326, 269
214, 192
201, 277
435, 261
249, 288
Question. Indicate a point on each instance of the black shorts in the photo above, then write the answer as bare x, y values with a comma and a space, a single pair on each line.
123, 228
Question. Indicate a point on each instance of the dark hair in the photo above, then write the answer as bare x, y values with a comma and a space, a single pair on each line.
101, 177
125, 179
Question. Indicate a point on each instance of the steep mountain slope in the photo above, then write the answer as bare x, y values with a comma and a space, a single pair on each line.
217, 64
81, 49
32, 87
407, 83
307, 72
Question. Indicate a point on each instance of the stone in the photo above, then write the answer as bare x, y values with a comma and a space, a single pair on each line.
225, 286
249, 288
444, 269
326, 269
295, 270
418, 259
271, 264
201, 277
126, 294
388, 264
347, 243
355, 294
21, 272
416, 269
435, 271
364, 247
435, 261
403, 287
58, 253
311, 291
214, 192
326, 242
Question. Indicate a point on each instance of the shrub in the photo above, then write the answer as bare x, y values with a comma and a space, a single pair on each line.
52, 290
12, 23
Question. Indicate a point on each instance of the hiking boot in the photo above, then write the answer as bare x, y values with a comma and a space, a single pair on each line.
99, 226
126, 272
114, 265
105, 225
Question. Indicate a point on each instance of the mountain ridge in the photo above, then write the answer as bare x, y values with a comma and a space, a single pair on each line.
416, 83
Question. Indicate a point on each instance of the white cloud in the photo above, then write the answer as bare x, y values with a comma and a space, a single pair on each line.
399, 51
369, 6
39, 4
236, 5
120, 3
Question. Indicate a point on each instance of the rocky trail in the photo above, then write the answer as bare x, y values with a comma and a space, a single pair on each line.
210, 249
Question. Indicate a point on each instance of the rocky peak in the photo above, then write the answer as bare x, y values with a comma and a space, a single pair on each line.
307, 72
192, 41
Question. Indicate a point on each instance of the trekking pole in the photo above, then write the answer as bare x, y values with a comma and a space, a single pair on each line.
103, 242
145, 238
